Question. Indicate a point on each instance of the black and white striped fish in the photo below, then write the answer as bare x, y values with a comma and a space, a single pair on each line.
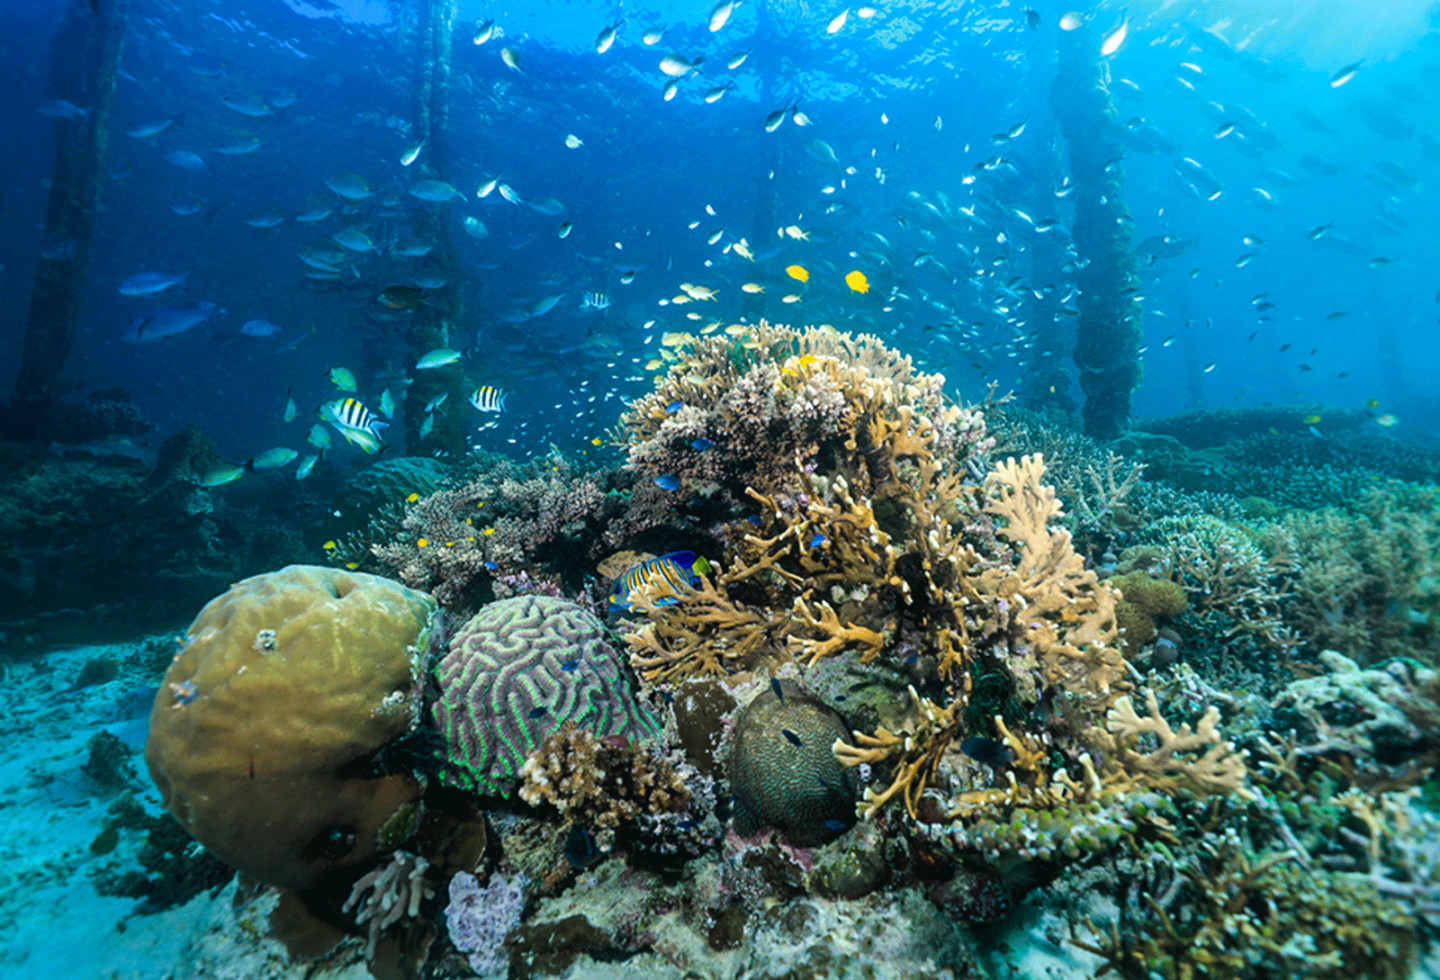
595, 301
488, 399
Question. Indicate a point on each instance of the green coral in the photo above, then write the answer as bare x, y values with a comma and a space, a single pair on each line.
1145, 599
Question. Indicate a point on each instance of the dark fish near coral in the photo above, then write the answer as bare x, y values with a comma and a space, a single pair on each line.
666, 578
777, 689
987, 751
402, 297
791, 737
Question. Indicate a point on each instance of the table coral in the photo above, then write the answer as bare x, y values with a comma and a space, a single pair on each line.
267, 733
519, 669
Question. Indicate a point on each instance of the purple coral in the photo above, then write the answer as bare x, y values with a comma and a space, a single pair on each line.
479, 918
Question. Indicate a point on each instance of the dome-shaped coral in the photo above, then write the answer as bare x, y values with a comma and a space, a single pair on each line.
782, 770
265, 734
516, 671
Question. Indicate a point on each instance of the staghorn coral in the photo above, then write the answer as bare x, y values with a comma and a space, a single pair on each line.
1234, 913
1223, 569
600, 782
1367, 581
390, 893
517, 670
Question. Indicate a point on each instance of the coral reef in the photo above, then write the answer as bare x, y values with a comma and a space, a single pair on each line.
268, 733
783, 772
479, 918
1367, 580
73, 421
600, 782
518, 670
1144, 600
500, 519
392, 892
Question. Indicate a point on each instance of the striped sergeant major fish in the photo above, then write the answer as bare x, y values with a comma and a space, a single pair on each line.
354, 421
488, 399
595, 301
665, 578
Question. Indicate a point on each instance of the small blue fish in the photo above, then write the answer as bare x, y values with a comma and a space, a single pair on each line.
569, 666
818, 540
702, 444
492, 565
674, 406
538, 712
668, 577
666, 481
687, 824
754, 519
834, 826
792, 738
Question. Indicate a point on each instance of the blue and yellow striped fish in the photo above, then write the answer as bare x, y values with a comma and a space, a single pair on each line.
667, 578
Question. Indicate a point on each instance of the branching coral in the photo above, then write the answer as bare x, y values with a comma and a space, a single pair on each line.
600, 782
1195, 760
391, 892
503, 519
1255, 916
1368, 580
1223, 569
1068, 617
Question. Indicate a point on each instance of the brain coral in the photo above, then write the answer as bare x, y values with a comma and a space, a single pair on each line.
265, 733
517, 670
783, 772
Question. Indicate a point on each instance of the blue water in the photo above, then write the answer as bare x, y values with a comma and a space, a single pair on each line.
908, 99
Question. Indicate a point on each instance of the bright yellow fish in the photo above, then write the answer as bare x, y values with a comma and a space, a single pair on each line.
1310, 419
797, 272
597, 441
857, 282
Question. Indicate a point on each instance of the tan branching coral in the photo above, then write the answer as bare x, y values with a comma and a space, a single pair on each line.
1068, 615
600, 782
1198, 760
919, 753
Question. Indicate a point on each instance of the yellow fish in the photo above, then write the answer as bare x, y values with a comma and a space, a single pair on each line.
674, 339
710, 327
798, 272
412, 498
1310, 419
743, 250
1373, 404
692, 315
752, 287
857, 282
654, 363
736, 329
597, 441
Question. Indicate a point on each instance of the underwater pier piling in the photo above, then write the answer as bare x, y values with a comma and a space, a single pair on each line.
434, 327
1107, 343
83, 63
